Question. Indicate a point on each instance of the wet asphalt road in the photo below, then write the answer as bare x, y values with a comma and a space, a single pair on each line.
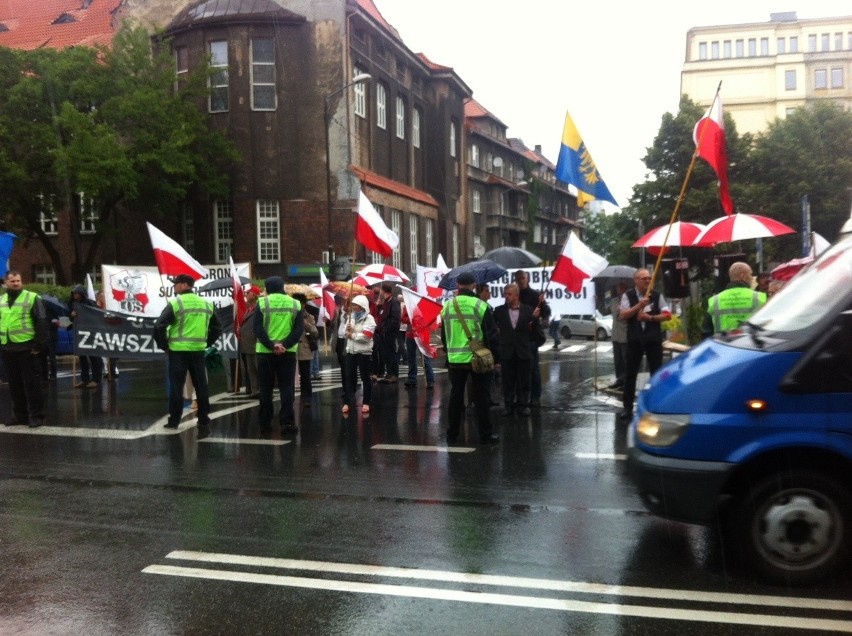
111, 524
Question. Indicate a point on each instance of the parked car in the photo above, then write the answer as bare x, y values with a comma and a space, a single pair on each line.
752, 431
585, 325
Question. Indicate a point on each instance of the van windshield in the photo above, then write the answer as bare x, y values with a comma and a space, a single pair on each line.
822, 289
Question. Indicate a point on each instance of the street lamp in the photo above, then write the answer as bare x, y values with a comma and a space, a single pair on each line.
361, 77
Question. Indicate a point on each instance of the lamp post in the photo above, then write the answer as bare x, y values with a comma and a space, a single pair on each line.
361, 77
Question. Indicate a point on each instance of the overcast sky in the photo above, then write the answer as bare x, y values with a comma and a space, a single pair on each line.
615, 65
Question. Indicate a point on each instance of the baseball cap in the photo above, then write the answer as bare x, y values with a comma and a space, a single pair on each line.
183, 278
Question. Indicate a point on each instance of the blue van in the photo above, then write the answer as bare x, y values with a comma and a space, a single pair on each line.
753, 429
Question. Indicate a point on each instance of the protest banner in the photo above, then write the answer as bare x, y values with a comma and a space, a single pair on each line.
561, 301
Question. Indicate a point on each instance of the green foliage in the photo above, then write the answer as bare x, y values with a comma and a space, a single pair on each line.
106, 122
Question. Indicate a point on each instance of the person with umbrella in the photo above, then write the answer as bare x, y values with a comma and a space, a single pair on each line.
480, 323
732, 306
541, 312
23, 336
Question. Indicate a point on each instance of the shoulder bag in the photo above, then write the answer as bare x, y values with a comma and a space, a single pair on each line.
483, 359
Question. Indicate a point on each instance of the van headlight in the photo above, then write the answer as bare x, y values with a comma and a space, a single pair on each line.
661, 430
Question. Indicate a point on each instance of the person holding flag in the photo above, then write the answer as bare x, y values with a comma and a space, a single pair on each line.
420, 313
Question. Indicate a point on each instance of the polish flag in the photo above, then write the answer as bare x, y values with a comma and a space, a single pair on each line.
90, 288
422, 314
709, 137
239, 296
371, 231
576, 263
171, 258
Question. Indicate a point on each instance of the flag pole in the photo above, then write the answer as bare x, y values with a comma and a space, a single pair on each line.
679, 201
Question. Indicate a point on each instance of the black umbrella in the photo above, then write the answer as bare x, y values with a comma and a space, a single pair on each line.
512, 257
55, 306
221, 283
484, 271
616, 272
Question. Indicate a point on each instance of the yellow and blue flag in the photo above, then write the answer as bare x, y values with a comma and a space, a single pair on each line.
576, 167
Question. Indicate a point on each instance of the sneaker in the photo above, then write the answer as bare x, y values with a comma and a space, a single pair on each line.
92, 385
172, 424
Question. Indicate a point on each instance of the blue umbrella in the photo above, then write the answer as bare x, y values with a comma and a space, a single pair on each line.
484, 271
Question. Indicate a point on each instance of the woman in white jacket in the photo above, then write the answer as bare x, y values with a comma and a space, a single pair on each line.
357, 328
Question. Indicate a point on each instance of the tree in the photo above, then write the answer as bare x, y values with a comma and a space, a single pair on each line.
107, 123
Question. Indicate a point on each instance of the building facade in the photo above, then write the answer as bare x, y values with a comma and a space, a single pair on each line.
769, 68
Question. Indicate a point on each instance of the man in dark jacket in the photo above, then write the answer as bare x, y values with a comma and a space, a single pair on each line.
541, 311
91, 367
515, 323
387, 332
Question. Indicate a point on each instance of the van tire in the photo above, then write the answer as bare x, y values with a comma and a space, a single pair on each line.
794, 527
602, 333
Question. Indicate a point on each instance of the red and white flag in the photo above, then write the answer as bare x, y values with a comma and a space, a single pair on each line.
90, 288
576, 263
423, 315
239, 296
171, 258
709, 138
371, 231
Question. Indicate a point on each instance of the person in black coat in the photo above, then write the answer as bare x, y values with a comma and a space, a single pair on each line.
516, 324
91, 367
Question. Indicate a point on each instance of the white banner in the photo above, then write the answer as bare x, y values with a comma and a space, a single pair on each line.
141, 291
561, 301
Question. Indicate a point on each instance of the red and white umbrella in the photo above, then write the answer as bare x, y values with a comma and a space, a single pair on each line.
682, 234
380, 272
738, 227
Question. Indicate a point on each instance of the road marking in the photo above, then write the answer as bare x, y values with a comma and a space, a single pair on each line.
572, 349
617, 456
102, 433
426, 449
456, 595
244, 440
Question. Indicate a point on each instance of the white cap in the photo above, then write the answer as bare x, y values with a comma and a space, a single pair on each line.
361, 301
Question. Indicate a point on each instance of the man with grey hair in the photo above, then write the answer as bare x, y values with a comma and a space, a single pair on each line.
735, 304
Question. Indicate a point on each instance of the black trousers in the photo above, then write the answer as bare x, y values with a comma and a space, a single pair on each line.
515, 373
22, 371
271, 367
181, 363
482, 403
306, 389
353, 365
635, 351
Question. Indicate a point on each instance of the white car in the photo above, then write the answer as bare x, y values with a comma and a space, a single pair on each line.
585, 325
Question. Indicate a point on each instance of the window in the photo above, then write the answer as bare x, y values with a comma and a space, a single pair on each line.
838, 41
740, 51
453, 139
477, 245
752, 47
781, 46
790, 80
400, 118
456, 245
415, 128
47, 215
794, 44
474, 156
187, 226
849, 40
44, 274
89, 215
837, 78
702, 50
223, 224
381, 106
476, 202
764, 46
429, 231
181, 67
826, 42
218, 100
820, 79
413, 240
360, 93
537, 233
263, 96
714, 50
396, 226
268, 232
489, 162
812, 43
726, 48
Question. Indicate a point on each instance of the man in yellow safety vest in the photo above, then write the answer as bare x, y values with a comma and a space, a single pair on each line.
736, 303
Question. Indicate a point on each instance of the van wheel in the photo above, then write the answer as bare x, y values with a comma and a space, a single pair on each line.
794, 528
565, 332
602, 333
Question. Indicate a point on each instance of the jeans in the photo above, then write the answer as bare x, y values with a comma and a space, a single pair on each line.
411, 350
283, 368
315, 363
181, 363
553, 330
